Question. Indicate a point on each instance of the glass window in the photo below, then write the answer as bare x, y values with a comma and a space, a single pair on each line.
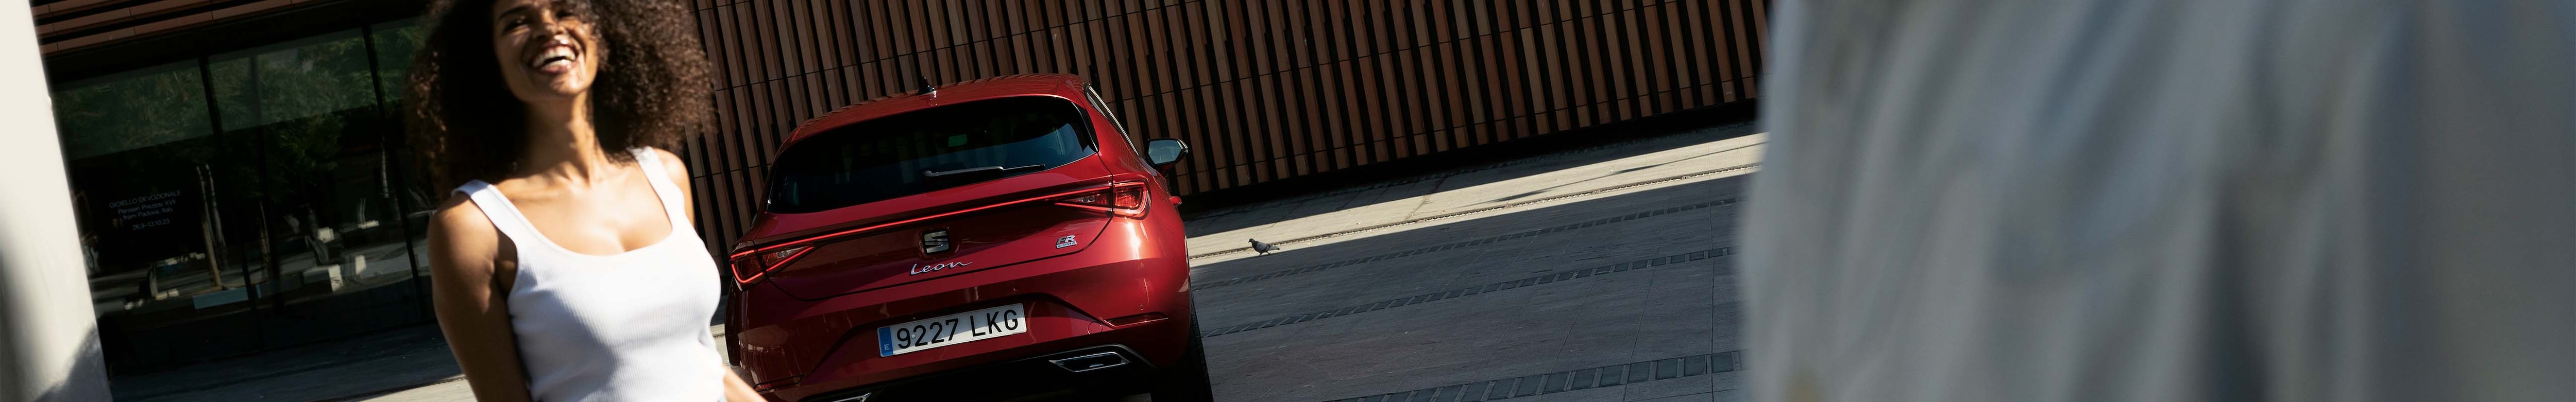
137, 109
395, 43
334, 238
926, 150
246, 200
155, 194
292, 81
1135, 143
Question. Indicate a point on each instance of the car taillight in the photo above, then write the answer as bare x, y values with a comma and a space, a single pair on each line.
1125, 199
1121, 198
747, 268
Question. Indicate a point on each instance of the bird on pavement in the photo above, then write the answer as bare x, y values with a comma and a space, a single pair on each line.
1263, 248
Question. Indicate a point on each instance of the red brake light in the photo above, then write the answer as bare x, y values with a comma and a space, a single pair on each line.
747, 268
1128, 197
1125, 199
1121, 198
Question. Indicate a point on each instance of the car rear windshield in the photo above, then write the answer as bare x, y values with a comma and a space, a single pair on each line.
926, 150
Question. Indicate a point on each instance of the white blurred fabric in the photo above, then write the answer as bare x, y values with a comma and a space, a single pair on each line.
2108, 200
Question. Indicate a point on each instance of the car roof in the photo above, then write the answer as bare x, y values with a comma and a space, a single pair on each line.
1061, 85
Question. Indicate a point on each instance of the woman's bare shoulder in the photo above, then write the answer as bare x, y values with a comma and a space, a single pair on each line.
460, 234
673, 165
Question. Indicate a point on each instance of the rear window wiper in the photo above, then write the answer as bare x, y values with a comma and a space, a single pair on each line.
977, 169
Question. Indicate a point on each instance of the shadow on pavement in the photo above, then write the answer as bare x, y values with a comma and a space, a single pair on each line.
1544, 226
366, 363
1258, 310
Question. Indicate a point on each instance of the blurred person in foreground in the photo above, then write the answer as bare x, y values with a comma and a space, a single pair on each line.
564, 264
2166, 201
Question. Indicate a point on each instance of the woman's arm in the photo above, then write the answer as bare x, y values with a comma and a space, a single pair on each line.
473, 310
737, 390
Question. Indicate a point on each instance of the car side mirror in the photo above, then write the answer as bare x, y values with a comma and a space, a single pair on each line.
1165, 151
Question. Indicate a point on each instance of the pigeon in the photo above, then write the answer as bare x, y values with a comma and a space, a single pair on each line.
1263, 248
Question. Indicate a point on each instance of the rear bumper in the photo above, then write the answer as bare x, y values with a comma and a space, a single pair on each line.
1045, 375
799, 350
1003, 373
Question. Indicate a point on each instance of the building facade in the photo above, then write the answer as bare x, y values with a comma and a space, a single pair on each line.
242, 186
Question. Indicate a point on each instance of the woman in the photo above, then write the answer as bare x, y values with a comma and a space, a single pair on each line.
564, 263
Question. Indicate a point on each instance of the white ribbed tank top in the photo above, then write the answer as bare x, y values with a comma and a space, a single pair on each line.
625, 327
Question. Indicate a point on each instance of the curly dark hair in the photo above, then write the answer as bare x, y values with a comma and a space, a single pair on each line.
652, 88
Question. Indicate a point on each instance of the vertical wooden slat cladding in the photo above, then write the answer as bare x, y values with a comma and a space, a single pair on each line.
1263, 89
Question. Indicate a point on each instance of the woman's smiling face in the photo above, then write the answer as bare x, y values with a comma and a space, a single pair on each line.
548, 54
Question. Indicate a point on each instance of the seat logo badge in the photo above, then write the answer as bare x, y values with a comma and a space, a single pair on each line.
1067, 241
934, 241
918, 269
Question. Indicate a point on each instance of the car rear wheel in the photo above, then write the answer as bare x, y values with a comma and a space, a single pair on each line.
1187, 381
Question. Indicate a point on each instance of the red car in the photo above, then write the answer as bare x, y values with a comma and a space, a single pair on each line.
986, 240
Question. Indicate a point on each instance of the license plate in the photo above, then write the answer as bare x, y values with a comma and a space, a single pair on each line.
951, 329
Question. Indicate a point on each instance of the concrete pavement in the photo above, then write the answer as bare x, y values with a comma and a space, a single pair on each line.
1621, 290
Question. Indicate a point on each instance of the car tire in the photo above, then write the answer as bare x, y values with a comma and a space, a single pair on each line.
1187, 381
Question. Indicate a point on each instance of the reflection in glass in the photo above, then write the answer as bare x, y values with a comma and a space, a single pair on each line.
136, 109
246, 200
333, 244
395, 43
154, 195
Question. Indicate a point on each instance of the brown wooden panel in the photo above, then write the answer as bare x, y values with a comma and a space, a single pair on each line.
1371, 26
1333, 122
726, 47
742, 124
1127, 40
1370, 96
763, 22
725, 123
702, 196
793, 107
1155, 42
1311, 138
835, 94
1086, 57
1623, 25
1443, 91
1698, 57
841, 43
707, 28
723, 209
764, 102
1292, 40
1403, 89
873, 19
795, 35
1592, 66
818, 99
1658, 61
1740, 24
863, 82
904, 18
1544, 73
1264, 89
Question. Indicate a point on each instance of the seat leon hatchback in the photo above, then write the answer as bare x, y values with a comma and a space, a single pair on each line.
997, 239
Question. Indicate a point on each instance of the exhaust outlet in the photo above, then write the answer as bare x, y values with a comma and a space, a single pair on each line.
1091, 362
